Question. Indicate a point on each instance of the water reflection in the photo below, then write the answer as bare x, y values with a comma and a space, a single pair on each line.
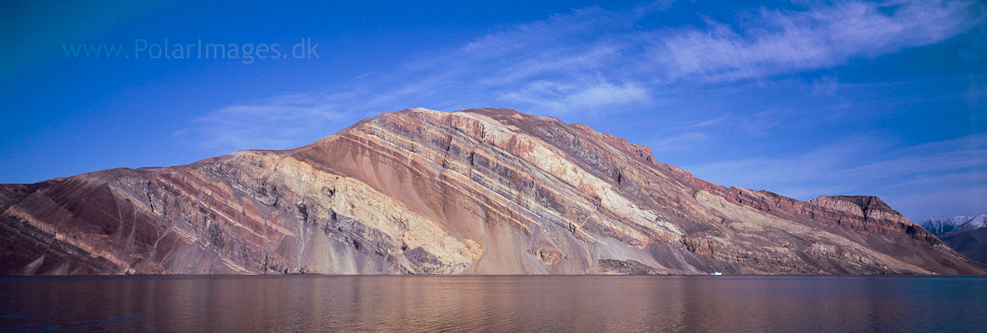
497, 303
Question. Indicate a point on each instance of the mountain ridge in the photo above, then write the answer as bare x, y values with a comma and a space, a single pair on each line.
942, 226
480, 191
965, 234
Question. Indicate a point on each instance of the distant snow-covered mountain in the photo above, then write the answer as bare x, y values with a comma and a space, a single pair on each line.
942, 226
965, 234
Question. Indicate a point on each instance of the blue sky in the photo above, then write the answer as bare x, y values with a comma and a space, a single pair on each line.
802, 98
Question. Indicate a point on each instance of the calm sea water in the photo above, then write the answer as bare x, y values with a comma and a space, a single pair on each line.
495, 303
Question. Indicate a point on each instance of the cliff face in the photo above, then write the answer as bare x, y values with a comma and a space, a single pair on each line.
487, 191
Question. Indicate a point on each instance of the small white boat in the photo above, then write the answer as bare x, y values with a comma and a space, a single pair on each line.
715, 273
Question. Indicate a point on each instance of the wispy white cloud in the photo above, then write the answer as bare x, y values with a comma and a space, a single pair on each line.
760, 123
680, 142
559, 98
723, 127
592, 60
561, 65
777, 41
825, 86
278, 123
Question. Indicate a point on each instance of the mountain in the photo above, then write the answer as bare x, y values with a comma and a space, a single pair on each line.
942, 226
483, 191
965, 234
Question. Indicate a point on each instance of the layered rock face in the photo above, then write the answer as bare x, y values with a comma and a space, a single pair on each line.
485, 191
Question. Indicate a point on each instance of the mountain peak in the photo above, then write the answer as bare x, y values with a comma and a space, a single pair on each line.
965, 234
942, 226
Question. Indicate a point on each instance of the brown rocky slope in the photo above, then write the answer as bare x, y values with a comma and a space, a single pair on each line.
484, 191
